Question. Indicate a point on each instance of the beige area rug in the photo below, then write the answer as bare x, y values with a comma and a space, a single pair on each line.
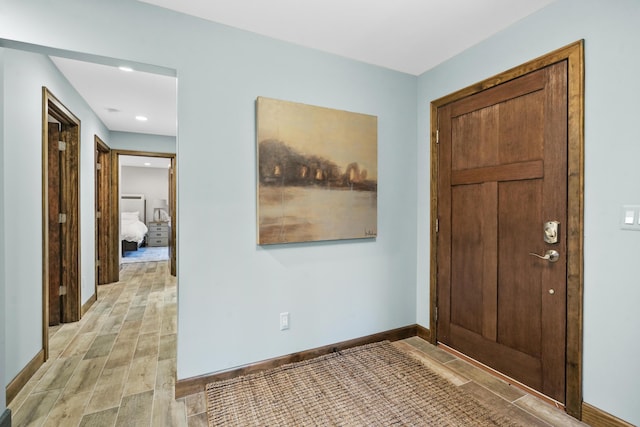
371, 385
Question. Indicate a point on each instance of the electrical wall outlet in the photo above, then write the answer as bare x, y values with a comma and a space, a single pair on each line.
284, 321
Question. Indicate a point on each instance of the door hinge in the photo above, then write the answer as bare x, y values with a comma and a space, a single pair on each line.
62, 218
63, 290
62, 146
98, 263
437, 225
435, 314
98, 214
98, 166
437, 136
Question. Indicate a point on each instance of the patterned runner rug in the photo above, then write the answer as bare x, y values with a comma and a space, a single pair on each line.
371, 385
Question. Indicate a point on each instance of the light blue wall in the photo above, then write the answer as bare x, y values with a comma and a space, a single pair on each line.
142, 142
231, 291
3, 321
25, 74
612, 175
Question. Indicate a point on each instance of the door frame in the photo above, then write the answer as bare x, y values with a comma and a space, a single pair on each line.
51, 106
115, 203
574, 55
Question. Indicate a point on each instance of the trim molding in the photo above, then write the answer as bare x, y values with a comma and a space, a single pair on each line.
597, 417
14, 387
115, 204
194, 385
5, 418
87, 305
423, 333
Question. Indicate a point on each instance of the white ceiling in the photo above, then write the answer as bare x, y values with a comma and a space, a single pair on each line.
410, 36
117, 96
145, 162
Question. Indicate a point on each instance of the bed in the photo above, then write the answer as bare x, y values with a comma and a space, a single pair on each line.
133, 231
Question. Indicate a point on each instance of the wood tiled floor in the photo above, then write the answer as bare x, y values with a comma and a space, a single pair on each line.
511, 401
117, 366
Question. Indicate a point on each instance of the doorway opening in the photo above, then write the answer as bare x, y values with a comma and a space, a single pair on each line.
464, 298
144, 187
60, 202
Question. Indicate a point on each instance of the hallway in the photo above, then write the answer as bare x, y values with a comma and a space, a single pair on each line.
117, 366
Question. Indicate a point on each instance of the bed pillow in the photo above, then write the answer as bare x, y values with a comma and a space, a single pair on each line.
129, 216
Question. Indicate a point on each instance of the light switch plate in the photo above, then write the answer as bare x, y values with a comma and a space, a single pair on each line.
630, 217
284, 321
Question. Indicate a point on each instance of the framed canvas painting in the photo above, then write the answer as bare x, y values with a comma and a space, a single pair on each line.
317, 173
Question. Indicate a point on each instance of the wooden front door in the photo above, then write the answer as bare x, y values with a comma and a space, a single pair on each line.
502, 175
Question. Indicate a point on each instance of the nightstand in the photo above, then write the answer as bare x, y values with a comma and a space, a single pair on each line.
158, 234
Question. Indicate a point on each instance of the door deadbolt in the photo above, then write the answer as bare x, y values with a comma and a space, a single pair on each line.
551, 232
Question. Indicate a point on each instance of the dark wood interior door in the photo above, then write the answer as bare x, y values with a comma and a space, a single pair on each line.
55, 236
70, 229
61, 218
502, 174
174, 219
104, 229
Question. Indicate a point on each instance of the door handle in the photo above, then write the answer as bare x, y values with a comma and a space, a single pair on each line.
551, 255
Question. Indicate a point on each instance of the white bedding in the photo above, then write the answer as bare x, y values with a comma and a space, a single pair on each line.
131, 228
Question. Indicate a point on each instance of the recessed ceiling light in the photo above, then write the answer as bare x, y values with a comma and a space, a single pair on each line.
141, 118
147, 164
125, 68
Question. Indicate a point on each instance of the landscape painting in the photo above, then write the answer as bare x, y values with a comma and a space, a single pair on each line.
317, 173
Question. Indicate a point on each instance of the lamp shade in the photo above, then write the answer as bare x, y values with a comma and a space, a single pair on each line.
158, 203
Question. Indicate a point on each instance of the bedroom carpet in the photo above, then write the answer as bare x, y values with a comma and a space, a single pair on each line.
146, 254
375, 384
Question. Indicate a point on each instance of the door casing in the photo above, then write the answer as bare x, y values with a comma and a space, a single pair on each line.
574, 55
115, 203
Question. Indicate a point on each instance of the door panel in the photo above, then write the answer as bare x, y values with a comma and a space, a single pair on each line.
473, 225
70, 235
102, 223
104, 227
502, 174
55, 237
61, 144
174, 219
519, 278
